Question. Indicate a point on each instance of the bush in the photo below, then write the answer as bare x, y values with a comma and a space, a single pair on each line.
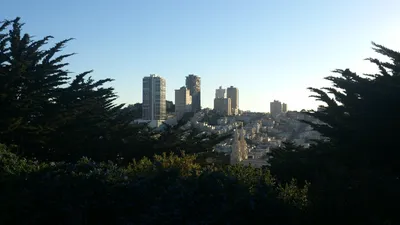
166, 190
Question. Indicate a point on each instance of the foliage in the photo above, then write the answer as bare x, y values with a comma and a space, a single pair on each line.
48, 114
354, 175
135, 110
170, 106
170, 190
12, 165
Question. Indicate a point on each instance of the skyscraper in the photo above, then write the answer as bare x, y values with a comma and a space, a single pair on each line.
233, 94
154, 103
284, 107
183, 102
275, 108
220, 93
193, 84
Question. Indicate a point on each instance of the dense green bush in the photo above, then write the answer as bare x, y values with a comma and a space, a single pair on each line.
165, 190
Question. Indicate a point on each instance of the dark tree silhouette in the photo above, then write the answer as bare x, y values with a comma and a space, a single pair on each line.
170, 106
354, 174
48, 114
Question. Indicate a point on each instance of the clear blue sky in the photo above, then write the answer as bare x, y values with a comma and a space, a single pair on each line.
268, 49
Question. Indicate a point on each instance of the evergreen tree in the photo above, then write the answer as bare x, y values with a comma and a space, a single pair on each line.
47, 114
354, 174
170, 106
135, 109
31, 80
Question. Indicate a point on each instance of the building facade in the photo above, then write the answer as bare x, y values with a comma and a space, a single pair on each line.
220, 92
183, 102
193, 83
223, 106
275, 108
284, 107
233, 94
154, 94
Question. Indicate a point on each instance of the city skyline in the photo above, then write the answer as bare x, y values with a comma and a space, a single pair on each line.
269, 50
183, 97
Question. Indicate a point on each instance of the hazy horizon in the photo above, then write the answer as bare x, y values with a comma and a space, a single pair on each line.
268, 49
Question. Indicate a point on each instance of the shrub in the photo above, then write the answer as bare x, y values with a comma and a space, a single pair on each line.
167, 190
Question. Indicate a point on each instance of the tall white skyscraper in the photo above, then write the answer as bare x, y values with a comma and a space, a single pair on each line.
154, 102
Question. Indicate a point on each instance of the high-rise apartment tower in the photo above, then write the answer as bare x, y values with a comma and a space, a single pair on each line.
193, 84
233, 94
275, 108
284, 107
154, 103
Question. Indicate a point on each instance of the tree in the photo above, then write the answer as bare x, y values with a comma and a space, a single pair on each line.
170, 106
354, 174
48, 114
135, 109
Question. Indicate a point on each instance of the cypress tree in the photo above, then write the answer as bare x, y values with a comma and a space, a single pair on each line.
354, 174
48, 114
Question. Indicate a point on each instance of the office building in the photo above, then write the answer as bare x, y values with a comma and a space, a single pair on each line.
154, 103
193, 84
183, 102
233, 94
275, 108
220, 93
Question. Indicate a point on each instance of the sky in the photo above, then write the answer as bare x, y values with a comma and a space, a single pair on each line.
268, 49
